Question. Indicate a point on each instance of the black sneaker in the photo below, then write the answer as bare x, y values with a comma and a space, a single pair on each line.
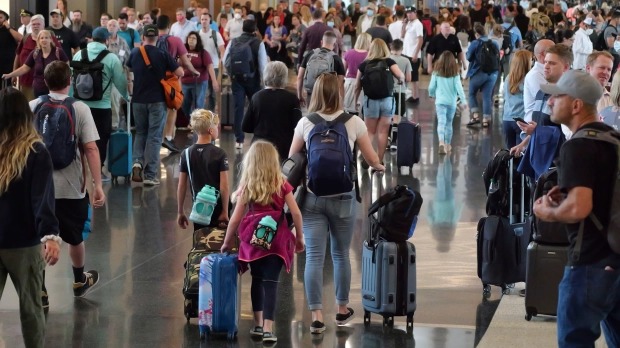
81, 289
317, 327
342, 319
257, 331
168, 144
45, 300
269, 337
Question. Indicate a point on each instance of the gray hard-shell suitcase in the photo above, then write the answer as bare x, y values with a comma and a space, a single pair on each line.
388, 278
545, 269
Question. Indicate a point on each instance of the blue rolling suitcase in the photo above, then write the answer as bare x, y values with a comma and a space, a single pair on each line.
388, 279
218, 295
119, 151
409, 143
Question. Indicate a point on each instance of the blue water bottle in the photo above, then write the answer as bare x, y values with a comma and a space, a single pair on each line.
204, 205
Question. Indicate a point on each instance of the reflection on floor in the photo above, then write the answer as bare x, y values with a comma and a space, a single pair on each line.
139, 251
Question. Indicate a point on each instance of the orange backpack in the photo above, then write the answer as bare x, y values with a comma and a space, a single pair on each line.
172, 85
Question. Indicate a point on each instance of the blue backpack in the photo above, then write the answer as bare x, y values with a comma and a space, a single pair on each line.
330, 159
55, 122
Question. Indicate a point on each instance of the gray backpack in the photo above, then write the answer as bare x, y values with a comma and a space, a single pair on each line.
612, 230
320, 62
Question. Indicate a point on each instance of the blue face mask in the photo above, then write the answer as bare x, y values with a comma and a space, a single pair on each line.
617, 45
369, 13
330, 24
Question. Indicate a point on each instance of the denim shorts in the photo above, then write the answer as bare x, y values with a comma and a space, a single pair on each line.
373, 108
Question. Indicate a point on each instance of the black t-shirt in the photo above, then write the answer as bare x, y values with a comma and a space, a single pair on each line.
147, 88
439, 44
67, 39
362, 66
207, 161
478, 16
272, 115
338, 65
380, 33
592, 164
9, 45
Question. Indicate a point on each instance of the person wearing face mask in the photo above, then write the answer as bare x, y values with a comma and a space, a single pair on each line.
234, 27
582, 45
367, 20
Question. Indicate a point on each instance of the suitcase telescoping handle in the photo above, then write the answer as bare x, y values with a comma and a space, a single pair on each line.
128, 115
511, 190
374, 175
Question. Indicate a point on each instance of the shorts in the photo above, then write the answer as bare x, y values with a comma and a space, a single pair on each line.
73, 215
415, 70
373, 108
400, 98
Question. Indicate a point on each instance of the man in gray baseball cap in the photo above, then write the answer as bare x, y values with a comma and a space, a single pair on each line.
574, 86
588, 297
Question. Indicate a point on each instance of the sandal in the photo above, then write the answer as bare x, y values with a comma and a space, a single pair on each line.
473, 121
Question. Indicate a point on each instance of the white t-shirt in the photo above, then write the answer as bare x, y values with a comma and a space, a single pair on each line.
396, 29
209, 45
413, 33
234, 28
182, 30
355, 127
68, 181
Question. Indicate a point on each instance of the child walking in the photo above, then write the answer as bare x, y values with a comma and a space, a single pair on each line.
208, 165
445, 87
261, 195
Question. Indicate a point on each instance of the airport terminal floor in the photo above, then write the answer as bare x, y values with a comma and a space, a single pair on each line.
139, 252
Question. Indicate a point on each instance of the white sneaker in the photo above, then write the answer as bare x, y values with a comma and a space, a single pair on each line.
151, 182
238, 146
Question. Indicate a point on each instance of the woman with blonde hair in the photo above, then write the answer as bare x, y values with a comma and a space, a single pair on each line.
306, 16
377, 108
352, 60
45, 53
261, 195
330, 217
520, 65
27, 212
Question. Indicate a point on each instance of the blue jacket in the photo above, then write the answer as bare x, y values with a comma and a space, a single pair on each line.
474, 65
513, 103
445, 90
542, 150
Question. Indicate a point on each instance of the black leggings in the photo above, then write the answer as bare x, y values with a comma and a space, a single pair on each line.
265, 274
103, 122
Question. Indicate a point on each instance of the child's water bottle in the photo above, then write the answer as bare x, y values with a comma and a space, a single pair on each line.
204, 205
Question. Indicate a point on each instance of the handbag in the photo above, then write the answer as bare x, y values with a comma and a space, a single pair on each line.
173, 94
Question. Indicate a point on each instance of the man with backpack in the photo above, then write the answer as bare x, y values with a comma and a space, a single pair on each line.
318, 61
483, 56
512, 41
244, 61
68, 144
606, 38
586, 200
130, 35
94, 73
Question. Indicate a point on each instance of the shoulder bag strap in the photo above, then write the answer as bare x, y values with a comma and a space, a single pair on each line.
189, 171
145, 56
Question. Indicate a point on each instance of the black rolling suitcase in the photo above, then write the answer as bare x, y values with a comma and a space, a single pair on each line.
502, 243
409, 143
227, 105
545, 269
544, 232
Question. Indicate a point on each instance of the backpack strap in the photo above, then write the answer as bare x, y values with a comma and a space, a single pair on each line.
214, 37
131, 35
189, 170
315, 118
84, 54
100, 56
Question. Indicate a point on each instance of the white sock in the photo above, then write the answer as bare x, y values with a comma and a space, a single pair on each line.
169, 138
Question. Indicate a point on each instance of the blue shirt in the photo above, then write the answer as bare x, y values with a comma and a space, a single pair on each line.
445, 90
126, 35
474, 65
515, 34
513, 103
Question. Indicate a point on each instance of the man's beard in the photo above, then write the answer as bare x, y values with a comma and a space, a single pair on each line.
76, 26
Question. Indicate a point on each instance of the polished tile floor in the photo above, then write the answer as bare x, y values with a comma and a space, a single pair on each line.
139, 251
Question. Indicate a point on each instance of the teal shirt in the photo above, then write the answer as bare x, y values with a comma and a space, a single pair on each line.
112, 69
446, 89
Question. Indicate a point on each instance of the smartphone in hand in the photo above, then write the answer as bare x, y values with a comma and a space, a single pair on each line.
519, 119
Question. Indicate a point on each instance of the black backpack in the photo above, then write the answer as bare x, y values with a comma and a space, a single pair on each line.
377, 80
87, 78
240, 60
488, 56
397, 217
507, 42
55, 122
543, 231
601, 44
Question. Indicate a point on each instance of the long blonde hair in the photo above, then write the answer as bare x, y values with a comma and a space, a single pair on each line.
378, 50
306, 15
17, 136
261, 176
325, 96
362, 42
520, 64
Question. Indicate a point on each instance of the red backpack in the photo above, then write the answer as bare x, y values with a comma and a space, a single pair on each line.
428, 28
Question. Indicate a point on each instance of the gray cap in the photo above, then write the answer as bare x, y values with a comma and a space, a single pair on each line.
577, 84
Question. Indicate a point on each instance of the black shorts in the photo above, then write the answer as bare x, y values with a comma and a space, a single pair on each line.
400, 98
415, 70
73, 215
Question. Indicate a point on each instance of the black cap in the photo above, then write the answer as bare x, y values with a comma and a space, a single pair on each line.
25, 13
249, 26
410, 9
615, 13
150, 30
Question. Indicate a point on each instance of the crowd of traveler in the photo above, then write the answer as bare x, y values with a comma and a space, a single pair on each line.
556, 62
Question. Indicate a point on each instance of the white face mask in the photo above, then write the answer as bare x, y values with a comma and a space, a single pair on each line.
369, 13
237, 15
589, 32
330, 24
617, 45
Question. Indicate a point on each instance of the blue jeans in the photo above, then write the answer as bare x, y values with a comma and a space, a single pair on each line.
150, 120
512, 134
445, 115
194, 94
211, 94
240, 90
483, 82
328, 218
589, 296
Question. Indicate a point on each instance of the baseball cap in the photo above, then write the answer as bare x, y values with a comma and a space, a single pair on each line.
615, 12
150, 31
410, 9
589, 21
25, 13
101, 33
56, 11
577, 84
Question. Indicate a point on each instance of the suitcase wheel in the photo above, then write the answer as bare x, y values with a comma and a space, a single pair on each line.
528, 316
388, 321
486, 290
366, 317
127, 179
114, 179
409, 321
